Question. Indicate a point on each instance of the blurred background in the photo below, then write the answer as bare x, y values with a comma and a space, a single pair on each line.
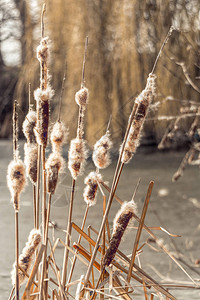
124, 40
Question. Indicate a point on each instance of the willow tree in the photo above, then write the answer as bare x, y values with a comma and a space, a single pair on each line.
124, 39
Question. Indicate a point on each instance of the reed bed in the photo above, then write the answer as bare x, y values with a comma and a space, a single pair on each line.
110, 273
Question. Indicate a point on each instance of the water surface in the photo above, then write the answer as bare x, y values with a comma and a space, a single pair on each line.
174, 206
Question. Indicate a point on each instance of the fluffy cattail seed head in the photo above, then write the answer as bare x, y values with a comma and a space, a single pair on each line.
25, 259
16, 180
120, 223
90, 190
77, 157
81, 97
42, 50
58, 136
30, 161
41, 130
54, 164
101, 155
44, 94
143, 100
29, 125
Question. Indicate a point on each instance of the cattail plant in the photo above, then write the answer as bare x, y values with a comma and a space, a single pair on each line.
43, 94
54, 165
26, 258
120, 223
90, 190
16, 182
101, 153
128, 148
143, 101
77, 156
89, 195
31, 149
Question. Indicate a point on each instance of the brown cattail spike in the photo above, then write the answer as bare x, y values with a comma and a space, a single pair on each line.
29, 125
16, 180
120, 223
101, 155
143, 100
25, 259
90, 190
77, 157
81, 97
54, 164
30, 161
58, 136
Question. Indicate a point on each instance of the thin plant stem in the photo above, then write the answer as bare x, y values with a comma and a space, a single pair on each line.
78, 242
29, 96
91, 255
139, 231
35, 267
62, 293
61, 94
17, 255
45, 251
11, 293
38, 187
68, 234
34, 205
42, 20
163, 45
84, 60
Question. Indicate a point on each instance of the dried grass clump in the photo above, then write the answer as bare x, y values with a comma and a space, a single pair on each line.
58, 136
30, 161
77, 157
101, 154
82, 96
120, 223
143, 101
90, 190
25, 259
16, 180
54, 165
29, 125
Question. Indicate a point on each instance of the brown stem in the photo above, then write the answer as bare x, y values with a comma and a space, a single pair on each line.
11, 293
38, 188
45, 251
61, 94
17, 255
84, 60
68, 234
139, 231
42, 20
78, 242
34, 205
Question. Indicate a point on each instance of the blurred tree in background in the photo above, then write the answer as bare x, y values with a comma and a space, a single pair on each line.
124, 39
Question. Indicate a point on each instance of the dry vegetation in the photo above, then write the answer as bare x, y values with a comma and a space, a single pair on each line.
110, 273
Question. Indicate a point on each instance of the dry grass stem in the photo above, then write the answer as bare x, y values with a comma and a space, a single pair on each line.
139, 231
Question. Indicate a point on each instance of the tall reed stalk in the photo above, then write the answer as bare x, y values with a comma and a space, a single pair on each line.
77, 157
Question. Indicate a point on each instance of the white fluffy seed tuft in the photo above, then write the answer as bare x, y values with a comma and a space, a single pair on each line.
25, 259
90, 190
101, 154
77, 157
16, 180
81, 97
